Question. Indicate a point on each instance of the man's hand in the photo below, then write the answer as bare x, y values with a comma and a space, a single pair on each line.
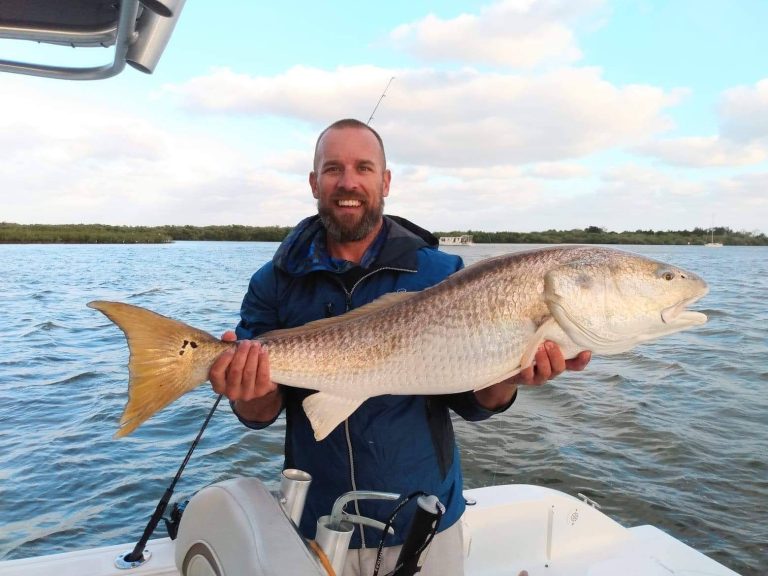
242, 375
548, 363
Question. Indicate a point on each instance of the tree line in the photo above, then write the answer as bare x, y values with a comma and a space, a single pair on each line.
598, 235
105, 234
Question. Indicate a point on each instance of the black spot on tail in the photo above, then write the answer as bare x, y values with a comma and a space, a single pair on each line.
186, 343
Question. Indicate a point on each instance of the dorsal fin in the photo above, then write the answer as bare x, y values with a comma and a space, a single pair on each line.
381, 303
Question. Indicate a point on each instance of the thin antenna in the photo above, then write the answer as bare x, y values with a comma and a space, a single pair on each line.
380, 99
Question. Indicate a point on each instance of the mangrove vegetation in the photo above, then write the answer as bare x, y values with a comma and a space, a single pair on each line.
103, 234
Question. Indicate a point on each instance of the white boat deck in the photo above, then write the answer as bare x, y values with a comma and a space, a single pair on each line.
545, 532
509, 529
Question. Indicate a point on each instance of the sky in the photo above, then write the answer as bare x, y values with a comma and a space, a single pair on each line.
520, 115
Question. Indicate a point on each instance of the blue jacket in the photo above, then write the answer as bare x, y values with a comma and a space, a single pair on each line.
399, 444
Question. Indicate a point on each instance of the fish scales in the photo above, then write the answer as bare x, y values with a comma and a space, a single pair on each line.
469, 329
481, 325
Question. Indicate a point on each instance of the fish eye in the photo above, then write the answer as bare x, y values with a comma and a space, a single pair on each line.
665, 274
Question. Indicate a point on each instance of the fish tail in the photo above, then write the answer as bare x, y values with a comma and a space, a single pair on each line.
167, 359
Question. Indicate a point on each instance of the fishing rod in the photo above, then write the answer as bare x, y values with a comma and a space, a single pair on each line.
380, 99
139, 555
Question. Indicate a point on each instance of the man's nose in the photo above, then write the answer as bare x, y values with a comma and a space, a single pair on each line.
349, 180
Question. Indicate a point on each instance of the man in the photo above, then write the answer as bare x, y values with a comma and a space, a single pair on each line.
344, 257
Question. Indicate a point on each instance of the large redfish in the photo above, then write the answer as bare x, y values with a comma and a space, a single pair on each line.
481, 325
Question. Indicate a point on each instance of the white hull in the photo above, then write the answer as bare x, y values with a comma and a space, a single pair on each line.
510, 528
465, 240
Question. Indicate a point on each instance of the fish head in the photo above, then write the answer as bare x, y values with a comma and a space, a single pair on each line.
608, 301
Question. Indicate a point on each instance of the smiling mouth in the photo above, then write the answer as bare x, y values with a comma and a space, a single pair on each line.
349, 203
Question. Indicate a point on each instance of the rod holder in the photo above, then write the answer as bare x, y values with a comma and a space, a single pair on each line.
294, 485
334, 541
122, 563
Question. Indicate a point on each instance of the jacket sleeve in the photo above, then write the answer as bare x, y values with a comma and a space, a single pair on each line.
465, 404
258, 314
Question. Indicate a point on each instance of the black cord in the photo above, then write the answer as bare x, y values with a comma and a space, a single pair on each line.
138, 551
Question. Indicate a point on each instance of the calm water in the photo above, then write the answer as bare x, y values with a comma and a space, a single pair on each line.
673, 434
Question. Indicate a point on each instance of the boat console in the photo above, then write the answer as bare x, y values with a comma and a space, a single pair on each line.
238, 527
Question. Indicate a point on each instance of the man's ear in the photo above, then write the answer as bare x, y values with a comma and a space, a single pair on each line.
387, 180
313, 184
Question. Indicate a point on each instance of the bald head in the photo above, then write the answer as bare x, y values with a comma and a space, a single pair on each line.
348, 123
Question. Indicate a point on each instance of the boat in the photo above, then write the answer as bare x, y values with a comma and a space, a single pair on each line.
712, 243
238, 526
464, 240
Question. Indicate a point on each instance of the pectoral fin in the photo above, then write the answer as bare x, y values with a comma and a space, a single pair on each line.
326, 411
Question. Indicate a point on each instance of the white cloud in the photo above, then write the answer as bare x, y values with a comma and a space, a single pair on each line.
745, 193
744, 113
655, 184
449, 200
742, 139
558, 170
453, 118
90, 161
705, 151
515, 33
626, 197
300, 92
632, 197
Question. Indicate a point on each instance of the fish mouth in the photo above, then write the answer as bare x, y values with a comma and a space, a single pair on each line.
679, 314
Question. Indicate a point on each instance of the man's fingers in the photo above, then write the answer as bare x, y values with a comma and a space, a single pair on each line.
234, 388
525, 376
530, 376
250, 386
218, 372
543, 371
580, 362
548, 363
555, 359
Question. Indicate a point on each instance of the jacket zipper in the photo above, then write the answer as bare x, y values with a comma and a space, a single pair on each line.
348, 297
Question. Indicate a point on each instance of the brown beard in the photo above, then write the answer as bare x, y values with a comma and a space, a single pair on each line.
342, 231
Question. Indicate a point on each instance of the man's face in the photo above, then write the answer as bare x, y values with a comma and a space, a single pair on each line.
350, 183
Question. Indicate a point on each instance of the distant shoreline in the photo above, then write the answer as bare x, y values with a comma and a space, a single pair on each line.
11, 233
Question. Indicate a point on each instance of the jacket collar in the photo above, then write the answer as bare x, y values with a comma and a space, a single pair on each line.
303, 251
